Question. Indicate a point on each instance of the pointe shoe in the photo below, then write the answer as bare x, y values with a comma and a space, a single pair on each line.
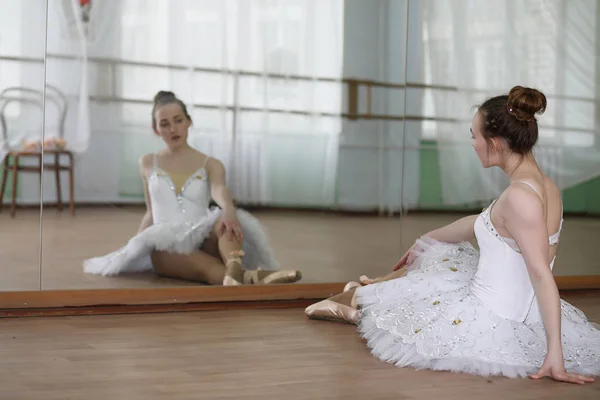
234, 273
328, 310
229, 281
264, 277
350, 286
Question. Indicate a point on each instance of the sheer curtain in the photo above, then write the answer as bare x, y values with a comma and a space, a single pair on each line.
78, 33
261, 79
22, 38
475, 49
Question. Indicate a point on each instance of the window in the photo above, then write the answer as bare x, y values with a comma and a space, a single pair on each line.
10, 47
549, 45
200, 42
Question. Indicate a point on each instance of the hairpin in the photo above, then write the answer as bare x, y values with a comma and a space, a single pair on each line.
525, 119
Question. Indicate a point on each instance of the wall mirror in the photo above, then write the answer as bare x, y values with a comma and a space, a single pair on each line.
342, 127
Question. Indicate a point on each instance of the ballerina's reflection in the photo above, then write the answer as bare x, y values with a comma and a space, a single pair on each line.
181, 236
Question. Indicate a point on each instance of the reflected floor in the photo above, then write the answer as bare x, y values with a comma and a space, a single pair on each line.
325, 247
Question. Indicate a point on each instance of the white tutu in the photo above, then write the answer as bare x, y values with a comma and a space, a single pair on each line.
430, 319
183, 238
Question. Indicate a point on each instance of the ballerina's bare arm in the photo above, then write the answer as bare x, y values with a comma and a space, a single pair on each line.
218, 186
220, 193
461, 230
523, 216
144, 162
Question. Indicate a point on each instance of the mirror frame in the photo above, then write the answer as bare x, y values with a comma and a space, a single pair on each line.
114, 301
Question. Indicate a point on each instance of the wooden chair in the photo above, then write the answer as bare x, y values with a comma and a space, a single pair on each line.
15, 154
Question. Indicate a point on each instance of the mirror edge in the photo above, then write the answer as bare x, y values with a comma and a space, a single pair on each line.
115, 301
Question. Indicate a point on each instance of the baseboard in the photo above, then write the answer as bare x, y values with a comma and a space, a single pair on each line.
181, 299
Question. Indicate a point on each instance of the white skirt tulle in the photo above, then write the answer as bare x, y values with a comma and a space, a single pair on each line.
428, 319
183, 238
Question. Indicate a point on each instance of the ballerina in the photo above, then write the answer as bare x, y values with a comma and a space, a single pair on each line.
496, 311
180, 235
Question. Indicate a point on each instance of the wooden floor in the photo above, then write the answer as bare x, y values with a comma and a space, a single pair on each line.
325, 247
241, 354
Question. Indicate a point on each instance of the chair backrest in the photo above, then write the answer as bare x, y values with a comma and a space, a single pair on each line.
24, 97
57, 96
24, 120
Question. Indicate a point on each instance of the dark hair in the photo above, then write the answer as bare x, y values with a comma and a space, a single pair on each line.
165, 97
512, 117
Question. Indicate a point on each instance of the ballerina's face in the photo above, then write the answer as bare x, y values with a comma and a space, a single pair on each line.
172, 125
485, 149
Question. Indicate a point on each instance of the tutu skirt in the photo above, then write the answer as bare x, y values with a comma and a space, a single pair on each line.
183, 238
429, 319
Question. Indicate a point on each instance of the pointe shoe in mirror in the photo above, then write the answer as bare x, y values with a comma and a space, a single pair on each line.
234, 274
266, 277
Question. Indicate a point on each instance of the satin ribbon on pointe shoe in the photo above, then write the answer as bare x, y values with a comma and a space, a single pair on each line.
350, 286
364, 280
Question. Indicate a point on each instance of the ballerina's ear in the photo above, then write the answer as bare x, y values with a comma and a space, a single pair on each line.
496, 145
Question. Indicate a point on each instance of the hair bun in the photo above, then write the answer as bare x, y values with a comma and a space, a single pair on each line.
524, 103
163, 95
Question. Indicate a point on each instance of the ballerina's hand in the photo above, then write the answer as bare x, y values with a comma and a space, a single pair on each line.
406, 259
231, 226
556, 370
